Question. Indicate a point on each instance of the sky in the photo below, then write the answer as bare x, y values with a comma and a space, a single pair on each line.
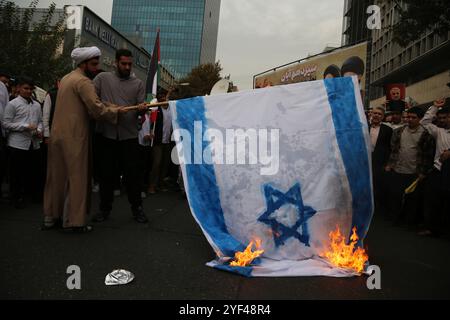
257, 35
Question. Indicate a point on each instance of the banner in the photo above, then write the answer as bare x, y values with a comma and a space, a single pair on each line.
280, 167
337, 63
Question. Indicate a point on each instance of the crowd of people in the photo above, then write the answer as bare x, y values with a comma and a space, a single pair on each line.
89, 119
101, 118
411, 165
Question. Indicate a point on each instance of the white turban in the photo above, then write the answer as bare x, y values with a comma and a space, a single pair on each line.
80, 55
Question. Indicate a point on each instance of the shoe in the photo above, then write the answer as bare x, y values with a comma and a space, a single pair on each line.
151, 190
140, 216
96, 188
101, 216
116, 193
143, 195
83, 229
51, 224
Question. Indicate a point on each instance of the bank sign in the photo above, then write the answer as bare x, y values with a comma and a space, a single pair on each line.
94, 27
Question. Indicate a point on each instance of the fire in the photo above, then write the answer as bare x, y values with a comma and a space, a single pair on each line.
344, 255
245, 258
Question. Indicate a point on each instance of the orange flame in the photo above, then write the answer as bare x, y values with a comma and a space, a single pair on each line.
345, 256
245, 258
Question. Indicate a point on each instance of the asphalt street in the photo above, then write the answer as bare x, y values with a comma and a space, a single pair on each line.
168, 259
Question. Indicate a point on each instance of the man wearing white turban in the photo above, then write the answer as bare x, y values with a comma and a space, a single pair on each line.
80, 55
68, 186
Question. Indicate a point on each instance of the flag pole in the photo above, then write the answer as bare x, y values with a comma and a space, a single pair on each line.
148, 105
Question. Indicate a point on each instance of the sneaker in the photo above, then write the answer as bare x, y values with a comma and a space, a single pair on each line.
101, 216
151, 190
140, 216
96, 188
50, 224
143, 195
116, 193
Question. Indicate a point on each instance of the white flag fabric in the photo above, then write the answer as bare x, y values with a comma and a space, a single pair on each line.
285, 165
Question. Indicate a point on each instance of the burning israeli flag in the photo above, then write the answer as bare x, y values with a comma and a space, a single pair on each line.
270, 173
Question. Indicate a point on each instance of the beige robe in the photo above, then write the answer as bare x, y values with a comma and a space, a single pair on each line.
68, 186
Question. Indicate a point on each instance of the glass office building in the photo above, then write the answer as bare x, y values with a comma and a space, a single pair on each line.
188, 35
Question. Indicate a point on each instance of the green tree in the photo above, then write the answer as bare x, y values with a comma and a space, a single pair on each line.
200, 80
418, 16
32, 48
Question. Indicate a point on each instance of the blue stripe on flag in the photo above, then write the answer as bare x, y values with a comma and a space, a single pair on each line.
243, 271
351, 141
203, 192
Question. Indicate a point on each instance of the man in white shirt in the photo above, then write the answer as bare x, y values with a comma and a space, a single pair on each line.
4, 94
48, 110
4, 99
162, 147
145, 150
434, 192
23, 121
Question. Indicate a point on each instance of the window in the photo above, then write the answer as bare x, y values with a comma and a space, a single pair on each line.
430, 41
417, 49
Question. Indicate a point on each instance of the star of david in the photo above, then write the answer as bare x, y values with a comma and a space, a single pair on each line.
275, 200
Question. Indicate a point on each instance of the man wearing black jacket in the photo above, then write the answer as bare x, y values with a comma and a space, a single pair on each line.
380, 135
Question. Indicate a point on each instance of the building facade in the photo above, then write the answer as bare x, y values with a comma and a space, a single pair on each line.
85, 28
423, 65
88, 29
354, 28
188, 29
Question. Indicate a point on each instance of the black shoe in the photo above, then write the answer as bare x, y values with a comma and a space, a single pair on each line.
101, 216
83, 229
140, 216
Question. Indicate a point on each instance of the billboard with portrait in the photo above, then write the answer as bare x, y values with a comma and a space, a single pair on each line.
345, 61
